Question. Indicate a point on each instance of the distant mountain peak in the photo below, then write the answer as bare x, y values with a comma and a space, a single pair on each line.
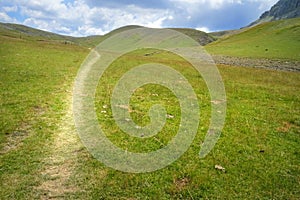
283, 9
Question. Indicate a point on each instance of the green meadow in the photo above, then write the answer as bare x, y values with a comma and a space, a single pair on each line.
42, 157
273, 40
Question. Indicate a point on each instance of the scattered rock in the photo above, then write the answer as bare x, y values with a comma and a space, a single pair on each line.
138, 127
170, 116
152, 53
280, 65
219, 167
127, 120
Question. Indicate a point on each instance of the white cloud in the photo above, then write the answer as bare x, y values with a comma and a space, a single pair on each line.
115, 18
52, 26
81, 17
88, 30
10, 8
218, 4
204, 29
214, 4
77, 18
5, 18
266, 4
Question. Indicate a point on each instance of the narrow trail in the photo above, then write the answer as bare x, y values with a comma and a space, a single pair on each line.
61, 163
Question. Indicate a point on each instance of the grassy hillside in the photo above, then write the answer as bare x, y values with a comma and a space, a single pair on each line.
35, 78
19, 31
200, 36
221, 34
41, 157
27, 33
24, 32
278, 39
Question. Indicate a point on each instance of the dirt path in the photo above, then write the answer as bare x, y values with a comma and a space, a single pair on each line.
258, 63
63, 160
60, 165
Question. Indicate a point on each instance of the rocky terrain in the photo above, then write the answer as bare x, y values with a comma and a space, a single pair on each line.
258, 63
283, 9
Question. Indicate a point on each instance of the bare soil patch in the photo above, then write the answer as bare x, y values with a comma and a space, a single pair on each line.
59, 166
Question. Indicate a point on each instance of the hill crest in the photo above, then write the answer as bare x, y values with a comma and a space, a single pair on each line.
24, 32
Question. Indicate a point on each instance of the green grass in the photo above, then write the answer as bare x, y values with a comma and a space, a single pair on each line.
259, 146
275, 40
26, 68
144, 98
34, 79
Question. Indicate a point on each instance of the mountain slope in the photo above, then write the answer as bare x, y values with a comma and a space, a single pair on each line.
28, 33
200, 36
283, 9
24, 32
275, 40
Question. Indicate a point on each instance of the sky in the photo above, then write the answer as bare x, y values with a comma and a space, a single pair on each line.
97, 17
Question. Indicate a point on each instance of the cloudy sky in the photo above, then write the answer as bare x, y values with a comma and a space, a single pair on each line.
94, 17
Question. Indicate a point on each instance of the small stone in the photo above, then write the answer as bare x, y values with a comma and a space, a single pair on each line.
170, 116
138, 127
219, 167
